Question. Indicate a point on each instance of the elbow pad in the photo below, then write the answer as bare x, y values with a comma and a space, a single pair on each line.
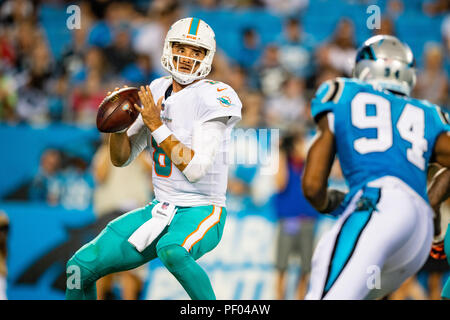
197, 167
205, 143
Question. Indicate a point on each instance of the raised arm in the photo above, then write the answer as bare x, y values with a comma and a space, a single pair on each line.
192, 162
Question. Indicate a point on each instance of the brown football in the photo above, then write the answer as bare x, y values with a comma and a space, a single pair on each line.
117, 112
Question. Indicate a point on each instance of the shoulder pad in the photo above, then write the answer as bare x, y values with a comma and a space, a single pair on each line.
328, 94
332, 92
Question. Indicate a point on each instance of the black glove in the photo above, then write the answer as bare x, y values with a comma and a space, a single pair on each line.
335, 197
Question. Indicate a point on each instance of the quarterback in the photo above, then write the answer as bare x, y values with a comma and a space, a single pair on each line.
385, 141
185, 121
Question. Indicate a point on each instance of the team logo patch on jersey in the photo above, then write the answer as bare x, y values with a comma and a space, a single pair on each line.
224, 101
212, 82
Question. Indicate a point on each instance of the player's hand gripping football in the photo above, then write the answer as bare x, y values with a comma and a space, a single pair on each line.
150, 112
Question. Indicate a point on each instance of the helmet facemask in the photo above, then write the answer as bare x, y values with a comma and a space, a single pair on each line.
185, 77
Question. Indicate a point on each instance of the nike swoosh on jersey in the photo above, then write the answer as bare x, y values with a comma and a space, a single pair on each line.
220, 89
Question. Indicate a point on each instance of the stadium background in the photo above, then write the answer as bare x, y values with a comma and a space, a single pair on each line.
273, 53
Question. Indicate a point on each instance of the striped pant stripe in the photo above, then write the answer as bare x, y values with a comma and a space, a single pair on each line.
210, 221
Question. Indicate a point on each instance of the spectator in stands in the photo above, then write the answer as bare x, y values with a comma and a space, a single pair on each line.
339, 53
15, 11
7, 54
250, 48
325, 74
286, 7
269, 74
74, 187
296, 49
220, 69
88, 87
32, 104
238, 79
445, 31
139, 72
208, 4
72, 57
47, 175
149, 37
395, 8
120, 53
297, 218
386, 26
94, 60
27, 34
244, 167
289, 106
8, 98
103, 32
86, 98
436, 7
57, 100
119, 190
4, 230
432, 81
252, 116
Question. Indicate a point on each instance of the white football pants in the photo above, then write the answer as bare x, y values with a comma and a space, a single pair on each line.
369, 255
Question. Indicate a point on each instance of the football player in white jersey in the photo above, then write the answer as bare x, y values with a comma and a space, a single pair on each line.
186, 121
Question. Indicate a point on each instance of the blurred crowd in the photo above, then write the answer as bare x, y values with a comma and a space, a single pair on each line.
120, 42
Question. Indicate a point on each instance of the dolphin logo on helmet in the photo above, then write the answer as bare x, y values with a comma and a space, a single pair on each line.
195, 32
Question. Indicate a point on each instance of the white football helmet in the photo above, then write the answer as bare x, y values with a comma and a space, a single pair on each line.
192, 31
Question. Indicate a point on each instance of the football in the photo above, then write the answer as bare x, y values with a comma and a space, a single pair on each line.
116, 112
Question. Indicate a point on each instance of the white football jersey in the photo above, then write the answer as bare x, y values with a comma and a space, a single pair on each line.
182, 111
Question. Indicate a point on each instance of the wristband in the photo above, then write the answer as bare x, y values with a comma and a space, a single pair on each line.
161, 134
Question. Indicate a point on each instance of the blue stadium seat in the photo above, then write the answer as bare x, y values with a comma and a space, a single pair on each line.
228, 26
53, 20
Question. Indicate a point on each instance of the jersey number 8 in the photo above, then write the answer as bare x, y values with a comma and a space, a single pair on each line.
410, 126
162, 163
